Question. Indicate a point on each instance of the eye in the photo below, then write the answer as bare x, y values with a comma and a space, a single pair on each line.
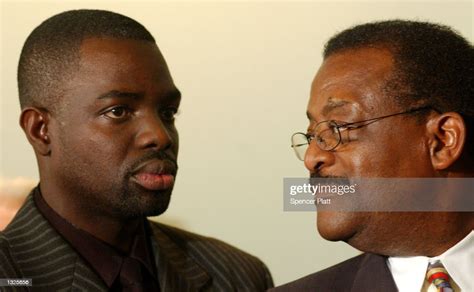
343, 127
333, 127
320, 139
117, 113
168, 114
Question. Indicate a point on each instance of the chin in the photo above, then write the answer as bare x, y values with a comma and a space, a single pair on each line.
337, 226
145, 204
155, 209
155, 204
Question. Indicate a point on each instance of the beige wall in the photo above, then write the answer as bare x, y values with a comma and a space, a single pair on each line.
244, 69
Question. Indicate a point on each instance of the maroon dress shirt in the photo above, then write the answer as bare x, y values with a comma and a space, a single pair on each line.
135, 271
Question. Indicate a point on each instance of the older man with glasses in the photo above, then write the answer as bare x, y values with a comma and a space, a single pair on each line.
393, 99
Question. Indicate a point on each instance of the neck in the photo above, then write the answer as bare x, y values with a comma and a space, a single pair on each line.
418, 234
117, 232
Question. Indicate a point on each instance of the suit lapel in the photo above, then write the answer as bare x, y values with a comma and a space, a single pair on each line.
177, 270
374, 275
40, 253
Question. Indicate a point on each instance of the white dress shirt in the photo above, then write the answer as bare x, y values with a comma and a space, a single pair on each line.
409, 272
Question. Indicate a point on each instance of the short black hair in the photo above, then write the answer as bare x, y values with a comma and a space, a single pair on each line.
51, 52
433, 64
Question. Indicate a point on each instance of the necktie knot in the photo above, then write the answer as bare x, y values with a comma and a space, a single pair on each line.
438, 276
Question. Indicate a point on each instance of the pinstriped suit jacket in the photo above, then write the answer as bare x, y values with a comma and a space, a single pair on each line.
31, 248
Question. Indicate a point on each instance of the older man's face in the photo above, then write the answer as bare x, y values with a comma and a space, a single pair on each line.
347, 88
117, 143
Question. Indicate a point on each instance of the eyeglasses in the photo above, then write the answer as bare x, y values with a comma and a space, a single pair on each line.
327, 134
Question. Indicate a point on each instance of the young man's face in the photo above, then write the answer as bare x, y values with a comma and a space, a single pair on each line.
348, 88
117, 142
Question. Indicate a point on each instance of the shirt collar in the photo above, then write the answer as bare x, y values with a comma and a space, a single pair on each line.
409, 272
459, 261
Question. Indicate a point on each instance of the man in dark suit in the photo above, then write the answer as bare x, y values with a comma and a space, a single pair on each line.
393, 99
98, 106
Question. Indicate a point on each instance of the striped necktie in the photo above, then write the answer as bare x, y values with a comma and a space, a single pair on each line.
438, 276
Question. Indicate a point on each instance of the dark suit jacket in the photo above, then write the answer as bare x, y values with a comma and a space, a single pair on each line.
365, 273
31, 248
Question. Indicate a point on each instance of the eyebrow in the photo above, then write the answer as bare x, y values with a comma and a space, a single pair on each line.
330, 106
120, 94
172, 95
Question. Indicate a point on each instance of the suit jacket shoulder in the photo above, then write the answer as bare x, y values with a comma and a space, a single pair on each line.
366, 272
219, 265
31, 248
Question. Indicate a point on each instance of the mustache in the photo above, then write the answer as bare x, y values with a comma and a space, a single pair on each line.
317, 175
318, 178
163, 156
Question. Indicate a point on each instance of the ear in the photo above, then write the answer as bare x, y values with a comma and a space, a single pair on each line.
448, 134
34, 122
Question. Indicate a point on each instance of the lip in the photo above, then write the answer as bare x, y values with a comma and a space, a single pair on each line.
155, 175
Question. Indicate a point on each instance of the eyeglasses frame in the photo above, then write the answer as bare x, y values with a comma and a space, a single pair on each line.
353, 125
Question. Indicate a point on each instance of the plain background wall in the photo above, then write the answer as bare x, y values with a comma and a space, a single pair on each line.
244, 69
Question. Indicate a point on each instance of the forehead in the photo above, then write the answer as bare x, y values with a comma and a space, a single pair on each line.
122, 60
352, 80
111, 64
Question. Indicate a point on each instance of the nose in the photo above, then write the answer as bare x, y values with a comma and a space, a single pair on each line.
316, 159
153, 133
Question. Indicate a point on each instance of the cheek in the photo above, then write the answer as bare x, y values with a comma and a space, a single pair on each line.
390, 156
362, 161
94, 147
